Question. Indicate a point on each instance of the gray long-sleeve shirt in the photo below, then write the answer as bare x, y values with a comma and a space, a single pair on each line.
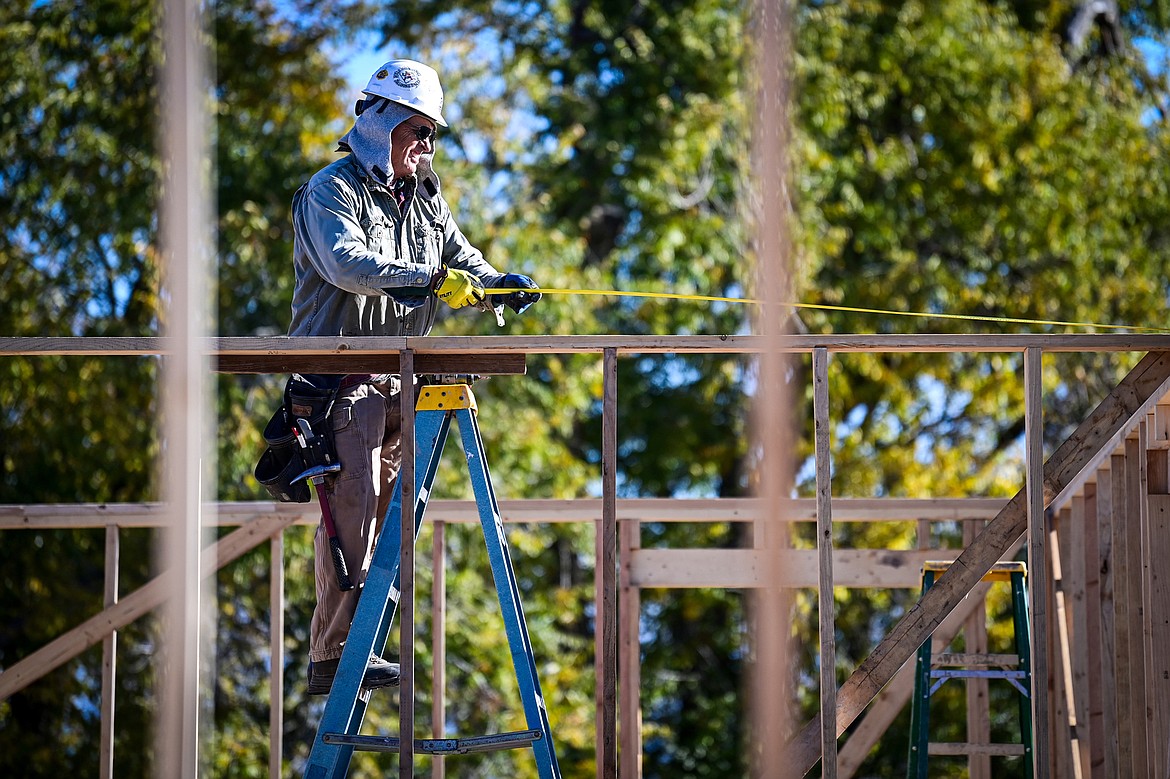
362, 266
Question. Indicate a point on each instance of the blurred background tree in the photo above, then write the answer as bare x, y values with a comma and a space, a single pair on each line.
972, 158
977, 158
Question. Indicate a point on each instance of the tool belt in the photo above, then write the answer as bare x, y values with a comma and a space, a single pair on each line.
299, 437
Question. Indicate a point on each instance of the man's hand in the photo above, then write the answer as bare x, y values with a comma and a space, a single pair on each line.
458, 288
517, 301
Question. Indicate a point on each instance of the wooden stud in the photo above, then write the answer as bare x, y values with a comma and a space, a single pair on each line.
629, 655
1106, 516
407, 478
1153, 749
1064, 722
978, 705
1057, 716
276, 655
1160, 625
1122, 620
1094, 634
184, 225
605, 621
109, 658
439, 646
826, 605
1135, 500
1037, 560
1077, 595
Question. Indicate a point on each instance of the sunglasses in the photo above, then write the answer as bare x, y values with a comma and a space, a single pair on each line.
423, 132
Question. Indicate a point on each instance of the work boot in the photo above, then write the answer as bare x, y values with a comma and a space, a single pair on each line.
379, 673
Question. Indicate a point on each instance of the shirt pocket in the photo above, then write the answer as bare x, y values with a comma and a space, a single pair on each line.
428, 239
379, 235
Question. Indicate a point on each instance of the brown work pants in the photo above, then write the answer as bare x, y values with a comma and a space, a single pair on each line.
367, 426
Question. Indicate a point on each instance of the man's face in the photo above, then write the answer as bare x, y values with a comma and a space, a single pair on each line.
406, 149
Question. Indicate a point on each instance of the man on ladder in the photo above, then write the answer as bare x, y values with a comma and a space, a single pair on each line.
338, 733
376, 250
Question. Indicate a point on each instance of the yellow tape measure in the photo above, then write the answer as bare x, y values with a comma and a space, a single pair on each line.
826, 307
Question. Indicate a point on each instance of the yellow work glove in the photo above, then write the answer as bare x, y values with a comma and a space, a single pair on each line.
458, 288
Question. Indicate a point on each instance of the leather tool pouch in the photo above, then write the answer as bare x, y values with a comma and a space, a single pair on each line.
299, 437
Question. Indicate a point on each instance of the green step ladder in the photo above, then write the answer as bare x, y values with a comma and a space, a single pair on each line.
931, 672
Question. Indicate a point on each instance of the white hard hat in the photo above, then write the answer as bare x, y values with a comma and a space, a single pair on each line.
411, 84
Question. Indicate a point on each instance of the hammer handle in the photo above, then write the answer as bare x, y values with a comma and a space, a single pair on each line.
343, 581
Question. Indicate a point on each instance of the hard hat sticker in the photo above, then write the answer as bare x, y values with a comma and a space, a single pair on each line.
407, 78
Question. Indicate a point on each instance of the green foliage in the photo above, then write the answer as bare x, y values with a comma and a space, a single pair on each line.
78, 186
955, 158
79, 119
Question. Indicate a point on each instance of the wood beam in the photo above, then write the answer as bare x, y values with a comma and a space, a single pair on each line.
408, 529
629, 656
1041, 645
1160, 623
1135, 530
1123, 607
357, 362
1065, 726
826, 604
978, 690
1076, 591
605, 578
1092, 634
745, 568
439, 644
46, 516
109, 657
146, 346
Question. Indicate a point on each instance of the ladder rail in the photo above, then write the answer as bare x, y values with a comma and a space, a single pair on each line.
432, 430
346, 706
508, 592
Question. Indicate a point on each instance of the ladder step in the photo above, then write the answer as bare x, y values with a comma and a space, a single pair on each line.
972, 673
439, 746
1000, 572
972, 659
957, 748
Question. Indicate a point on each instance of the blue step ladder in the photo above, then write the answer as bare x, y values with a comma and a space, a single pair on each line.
337, 735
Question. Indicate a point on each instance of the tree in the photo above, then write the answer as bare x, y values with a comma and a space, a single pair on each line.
78, 256
957, 158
